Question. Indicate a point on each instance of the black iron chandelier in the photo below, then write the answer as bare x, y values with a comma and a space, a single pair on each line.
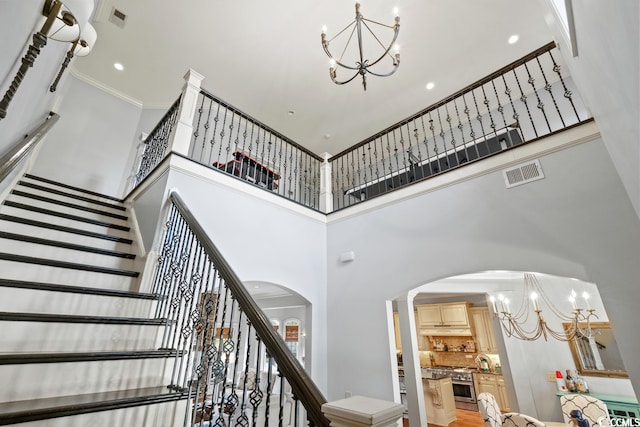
362, 65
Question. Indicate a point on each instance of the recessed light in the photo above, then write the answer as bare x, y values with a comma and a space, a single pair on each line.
118, 66
291, 112
514, 38
430, 85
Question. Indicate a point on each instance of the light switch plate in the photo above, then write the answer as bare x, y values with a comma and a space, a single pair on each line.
551, 377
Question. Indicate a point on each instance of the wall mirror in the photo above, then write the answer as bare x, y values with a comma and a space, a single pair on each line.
598, 355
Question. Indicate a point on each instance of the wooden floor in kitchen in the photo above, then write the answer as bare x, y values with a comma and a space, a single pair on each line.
463, 419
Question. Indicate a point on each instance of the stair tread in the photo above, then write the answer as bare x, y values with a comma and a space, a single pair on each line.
44, 211
65, 264
65, 245
72, 318
75, 289
20, 358
71, 187
70, 195
38, 409
67, 204
64, 229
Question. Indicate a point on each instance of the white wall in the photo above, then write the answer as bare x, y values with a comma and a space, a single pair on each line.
606, 72
90, 147
577, 222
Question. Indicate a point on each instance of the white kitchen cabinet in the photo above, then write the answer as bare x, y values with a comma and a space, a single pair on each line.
483, 330
443, 315
494, 384
503, 399
439, 402
396, 330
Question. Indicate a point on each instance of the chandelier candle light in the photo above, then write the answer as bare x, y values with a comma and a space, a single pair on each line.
577, 323
362, 66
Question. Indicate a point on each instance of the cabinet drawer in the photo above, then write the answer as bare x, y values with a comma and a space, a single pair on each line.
486, 378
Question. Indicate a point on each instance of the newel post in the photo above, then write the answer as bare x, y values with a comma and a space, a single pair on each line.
360, 411
326, 194
182, 132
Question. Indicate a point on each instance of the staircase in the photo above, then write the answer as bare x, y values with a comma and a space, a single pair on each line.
78, 342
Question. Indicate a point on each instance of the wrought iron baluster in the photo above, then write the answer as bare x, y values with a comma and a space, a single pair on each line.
479, 119
492, 123
540, 105
212, 143
186, 300
160, 288
460, 128
567, 93
472, 134
222, 134
549, 88
523, 98
500, 109
426, 144
454, 147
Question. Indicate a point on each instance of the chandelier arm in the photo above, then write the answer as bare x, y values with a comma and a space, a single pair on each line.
386, 52
378, 23
345, 81
342, 31
395, 68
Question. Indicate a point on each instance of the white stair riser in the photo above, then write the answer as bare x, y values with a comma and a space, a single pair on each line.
37, 216
67, 199
49, 302
66, 276
68, 190
18, 247
37, 381
70, 210
46, 233
76, 337
170, 414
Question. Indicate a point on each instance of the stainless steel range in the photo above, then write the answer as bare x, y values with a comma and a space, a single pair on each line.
464, 392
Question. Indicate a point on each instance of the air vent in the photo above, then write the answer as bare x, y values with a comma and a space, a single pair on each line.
118, 17
522, 174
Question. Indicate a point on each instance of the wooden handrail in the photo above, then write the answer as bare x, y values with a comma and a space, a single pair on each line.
14, 155
304, 389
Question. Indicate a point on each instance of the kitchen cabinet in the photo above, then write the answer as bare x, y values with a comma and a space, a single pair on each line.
503, 399
483, 330
443, 315
494, 384
439, 401
396, 329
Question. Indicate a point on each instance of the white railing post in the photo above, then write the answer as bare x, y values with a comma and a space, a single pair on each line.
180, 139
326, 192
359, 411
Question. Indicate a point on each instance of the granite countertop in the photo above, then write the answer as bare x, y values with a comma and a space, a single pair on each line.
434, 377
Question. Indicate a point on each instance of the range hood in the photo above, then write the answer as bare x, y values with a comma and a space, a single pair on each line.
446, 331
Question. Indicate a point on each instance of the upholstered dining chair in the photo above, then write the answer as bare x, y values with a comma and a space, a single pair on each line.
594, 410
494, 418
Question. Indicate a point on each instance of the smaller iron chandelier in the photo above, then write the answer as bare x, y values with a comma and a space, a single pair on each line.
577, 324
362, 66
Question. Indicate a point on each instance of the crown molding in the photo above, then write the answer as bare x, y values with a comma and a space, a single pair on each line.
111, 91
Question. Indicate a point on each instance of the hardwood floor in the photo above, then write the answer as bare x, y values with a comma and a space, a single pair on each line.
463, 419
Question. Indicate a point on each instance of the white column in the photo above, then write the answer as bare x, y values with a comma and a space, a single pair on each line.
180, 139
411, 362
326, 194
360, 411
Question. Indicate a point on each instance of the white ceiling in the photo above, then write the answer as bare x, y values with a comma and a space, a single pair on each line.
266, 57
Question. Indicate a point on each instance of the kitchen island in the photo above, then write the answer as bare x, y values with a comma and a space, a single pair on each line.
438, 399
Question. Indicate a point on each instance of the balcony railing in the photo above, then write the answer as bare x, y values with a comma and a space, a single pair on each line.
523, 101
517, 104
233, 142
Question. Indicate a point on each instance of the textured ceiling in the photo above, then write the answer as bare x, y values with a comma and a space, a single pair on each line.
266, 57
